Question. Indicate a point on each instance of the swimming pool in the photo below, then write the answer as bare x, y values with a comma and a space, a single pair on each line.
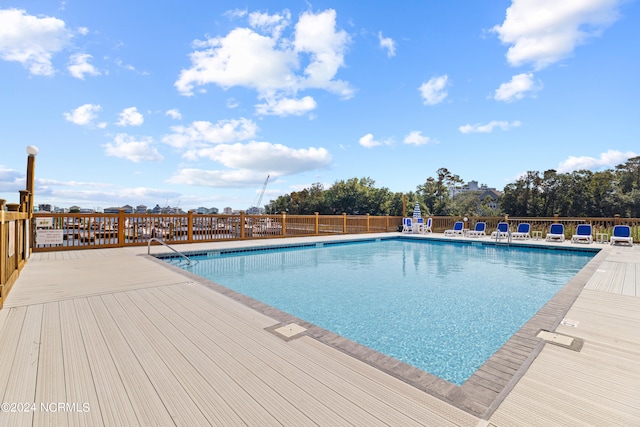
442, 307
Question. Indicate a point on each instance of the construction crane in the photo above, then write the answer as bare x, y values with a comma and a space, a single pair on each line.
259, 199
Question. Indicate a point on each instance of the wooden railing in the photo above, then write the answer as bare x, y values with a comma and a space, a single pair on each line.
55, 231
14, 243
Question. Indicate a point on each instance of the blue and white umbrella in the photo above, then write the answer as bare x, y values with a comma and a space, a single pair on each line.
416, 211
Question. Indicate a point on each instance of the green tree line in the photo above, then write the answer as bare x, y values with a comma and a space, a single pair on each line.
577, 194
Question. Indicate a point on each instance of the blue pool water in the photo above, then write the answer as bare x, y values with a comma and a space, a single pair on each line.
442, 307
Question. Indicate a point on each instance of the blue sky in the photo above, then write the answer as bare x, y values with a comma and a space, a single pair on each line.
195, 103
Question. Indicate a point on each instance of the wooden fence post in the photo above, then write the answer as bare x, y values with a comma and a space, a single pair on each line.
242, 225
317, 223
121, 228
284, 224
344, 222
190, 226
368, 215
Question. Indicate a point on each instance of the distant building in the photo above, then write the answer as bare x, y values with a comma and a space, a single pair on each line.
114, 209
141, 209
157, 209
482, 190
227, 211
206, 211
45, 207
254, 210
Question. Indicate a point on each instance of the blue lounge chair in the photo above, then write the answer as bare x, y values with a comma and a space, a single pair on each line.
556, 233
478, 231
501, 231
407, 225
583, 234
458, 229
622, 234
522, 232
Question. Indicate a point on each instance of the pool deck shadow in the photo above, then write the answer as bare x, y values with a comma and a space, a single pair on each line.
153, 345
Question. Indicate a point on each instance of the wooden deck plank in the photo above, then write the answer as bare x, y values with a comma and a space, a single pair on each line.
271, 389
21, 384
78, 378
213, 376
115, 403
629, 287
208, 397
133, 325
50, 387
149, 408
334, 384
11, 321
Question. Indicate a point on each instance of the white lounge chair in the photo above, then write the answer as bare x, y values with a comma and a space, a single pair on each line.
502, 231
458, 229
583, 234
621, 234
522, 232
556, 233
478, 231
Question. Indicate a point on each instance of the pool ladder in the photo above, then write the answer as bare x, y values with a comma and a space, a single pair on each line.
163, 243
499, 236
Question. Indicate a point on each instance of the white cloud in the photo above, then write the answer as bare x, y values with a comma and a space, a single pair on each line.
286, 106
607, 159
127, 147
217, 178
367, 141
276, 159
489, 127
269, 63
388, 44
434, 91
174, 113
517, 88
416, 138
11, 180
130, 117
273, 24
201, 133
79, 66
84, 115
542, 32
31, 40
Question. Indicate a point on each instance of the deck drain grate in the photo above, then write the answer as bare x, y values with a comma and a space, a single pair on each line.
289, 331
571, 343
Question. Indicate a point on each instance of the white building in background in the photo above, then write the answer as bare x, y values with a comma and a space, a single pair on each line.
227, 210
482, 190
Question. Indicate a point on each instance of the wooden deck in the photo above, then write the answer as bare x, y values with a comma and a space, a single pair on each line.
118, 340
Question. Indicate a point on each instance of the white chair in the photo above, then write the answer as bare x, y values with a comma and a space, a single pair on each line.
502, 231
522, 232
407, 225
583, 234
622, 234
478, 231
458, 229
427, 226
556, 233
